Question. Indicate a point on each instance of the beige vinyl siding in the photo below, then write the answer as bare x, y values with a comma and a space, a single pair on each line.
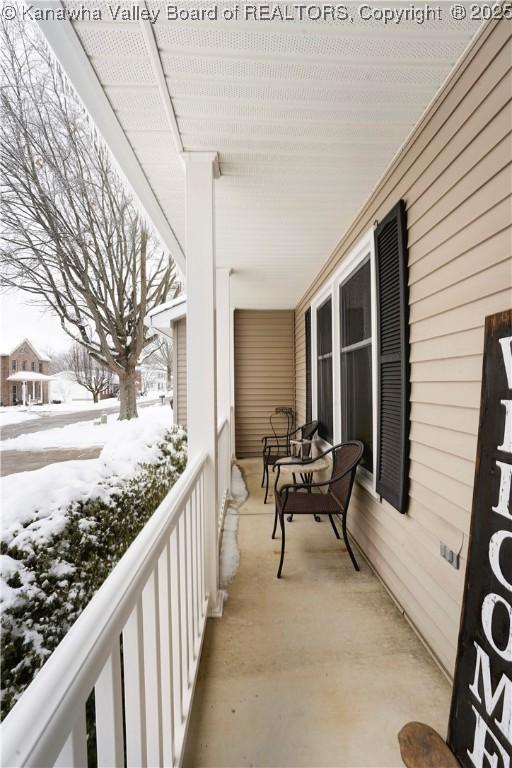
264, 373
455, 177
180, 373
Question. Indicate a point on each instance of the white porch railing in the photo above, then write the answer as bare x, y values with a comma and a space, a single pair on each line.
136, 645
223, 472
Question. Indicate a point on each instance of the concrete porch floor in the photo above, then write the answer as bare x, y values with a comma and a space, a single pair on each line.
316, 669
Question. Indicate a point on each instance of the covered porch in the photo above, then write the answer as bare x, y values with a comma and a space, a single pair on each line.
251, 171
319, 668
31, 386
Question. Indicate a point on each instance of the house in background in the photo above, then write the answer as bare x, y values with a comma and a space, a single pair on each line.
169, 320
342, 247
24, 375
65, 388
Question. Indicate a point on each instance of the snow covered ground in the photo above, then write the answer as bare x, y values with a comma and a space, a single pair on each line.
14, 416
88, 433
76, 406
41, 497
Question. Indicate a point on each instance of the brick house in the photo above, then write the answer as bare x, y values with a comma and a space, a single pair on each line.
23, 359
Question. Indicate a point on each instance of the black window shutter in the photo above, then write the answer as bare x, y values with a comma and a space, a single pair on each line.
307, 324
324, 370
392, 465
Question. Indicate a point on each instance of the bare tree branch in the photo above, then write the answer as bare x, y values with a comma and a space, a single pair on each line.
73, 237
93, 376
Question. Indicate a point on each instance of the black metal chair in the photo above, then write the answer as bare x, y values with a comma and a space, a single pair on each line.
279, 446
334, 501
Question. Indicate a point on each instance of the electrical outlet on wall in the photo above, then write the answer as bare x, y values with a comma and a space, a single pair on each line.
450, 556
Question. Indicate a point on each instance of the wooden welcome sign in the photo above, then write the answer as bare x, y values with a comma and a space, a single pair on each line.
480, 729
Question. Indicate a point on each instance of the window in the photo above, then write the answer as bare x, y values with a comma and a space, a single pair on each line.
309, 403
356, 361
324, 370
369, 374
24, 365
14, 398
33, 366
14, 365
40, 367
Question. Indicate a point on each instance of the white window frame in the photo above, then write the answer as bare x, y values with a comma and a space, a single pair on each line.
364, 249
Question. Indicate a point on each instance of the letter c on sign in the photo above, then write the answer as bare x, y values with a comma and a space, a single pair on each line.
487, 613
494, 556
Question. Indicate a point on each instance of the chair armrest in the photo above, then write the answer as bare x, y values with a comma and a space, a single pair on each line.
280, 450
310, 459
319, 484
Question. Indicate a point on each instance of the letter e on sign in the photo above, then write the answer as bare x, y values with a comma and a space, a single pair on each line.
480, 728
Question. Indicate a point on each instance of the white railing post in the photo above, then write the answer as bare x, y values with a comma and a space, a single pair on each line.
201, 347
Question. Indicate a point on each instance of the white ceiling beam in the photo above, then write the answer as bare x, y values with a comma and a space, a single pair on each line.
156, 66
68, 50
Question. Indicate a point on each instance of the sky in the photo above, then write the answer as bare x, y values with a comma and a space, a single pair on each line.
21, 318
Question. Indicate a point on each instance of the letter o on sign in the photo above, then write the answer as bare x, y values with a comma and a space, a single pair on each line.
494, 556
488, 607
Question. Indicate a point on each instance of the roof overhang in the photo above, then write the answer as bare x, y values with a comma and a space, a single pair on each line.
161, 318
25, 376
68, 50
305, 116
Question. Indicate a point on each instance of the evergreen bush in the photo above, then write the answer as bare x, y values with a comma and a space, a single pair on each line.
55, 581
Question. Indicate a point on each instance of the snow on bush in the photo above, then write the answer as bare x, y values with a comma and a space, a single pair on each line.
65, 527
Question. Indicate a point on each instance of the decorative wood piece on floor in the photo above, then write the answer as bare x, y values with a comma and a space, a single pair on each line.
480, 729
422, 747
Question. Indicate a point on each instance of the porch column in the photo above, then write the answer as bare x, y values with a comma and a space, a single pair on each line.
201, 352
223, 324
223, 315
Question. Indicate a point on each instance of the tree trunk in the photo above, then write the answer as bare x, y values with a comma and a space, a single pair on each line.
128, 395
95, 397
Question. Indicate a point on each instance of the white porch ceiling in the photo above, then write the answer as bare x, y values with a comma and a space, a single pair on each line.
305, 117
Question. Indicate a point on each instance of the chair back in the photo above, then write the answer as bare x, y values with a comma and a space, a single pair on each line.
281, 423
307, 431
345, 458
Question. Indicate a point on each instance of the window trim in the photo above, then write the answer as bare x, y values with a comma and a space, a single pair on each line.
363, 250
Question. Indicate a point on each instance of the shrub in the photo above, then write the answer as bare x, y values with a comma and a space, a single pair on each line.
51, 583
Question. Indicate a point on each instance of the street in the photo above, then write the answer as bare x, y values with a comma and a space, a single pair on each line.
12, 462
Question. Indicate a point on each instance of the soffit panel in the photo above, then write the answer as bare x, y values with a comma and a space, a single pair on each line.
305, 117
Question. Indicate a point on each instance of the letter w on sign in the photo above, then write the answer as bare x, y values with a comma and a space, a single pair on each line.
480, 729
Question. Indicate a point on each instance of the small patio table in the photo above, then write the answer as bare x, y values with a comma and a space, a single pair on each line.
292, 465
